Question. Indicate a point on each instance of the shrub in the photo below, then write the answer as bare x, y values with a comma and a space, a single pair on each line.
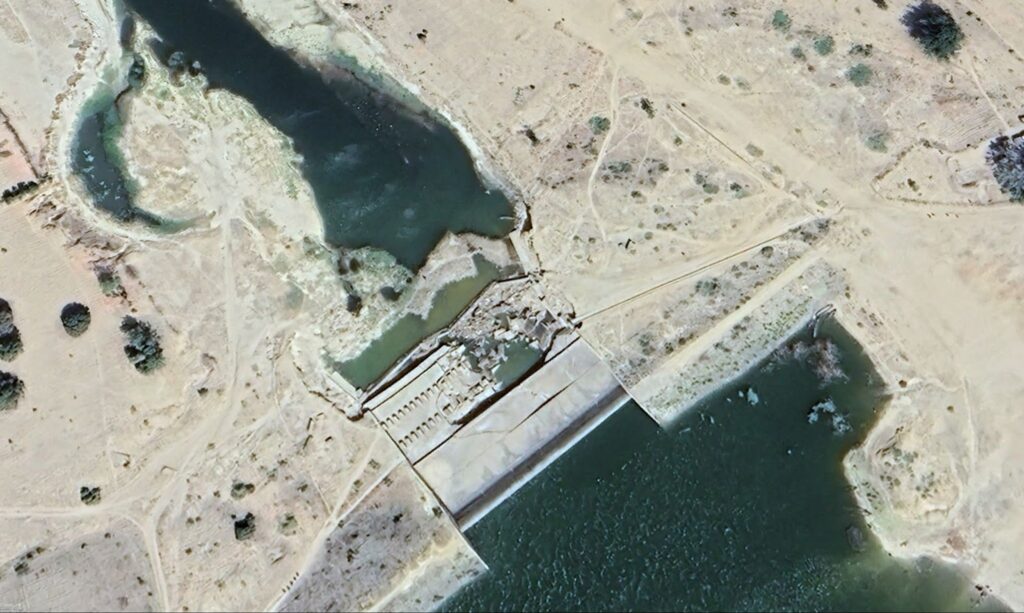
89, 495
11, 390
137, 72
6, 313
877, 141
143, 346
934, 29
781, 20
599, 125
1005, 157
859, 75
76, 318
110, 283
245, 527
861, 49
647, 106
240, 490
17, 189
353, 304
824, 44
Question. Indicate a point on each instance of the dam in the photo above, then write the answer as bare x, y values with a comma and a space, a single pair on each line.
717, 506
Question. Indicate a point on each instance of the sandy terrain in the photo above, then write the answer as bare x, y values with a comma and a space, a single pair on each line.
241, 419
696, 188
14, 165
45, 47
720, 138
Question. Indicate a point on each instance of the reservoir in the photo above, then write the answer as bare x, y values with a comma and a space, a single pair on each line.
742, 505
382, 175
96, 158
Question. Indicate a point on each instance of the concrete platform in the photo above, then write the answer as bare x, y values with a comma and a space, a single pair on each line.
493, 455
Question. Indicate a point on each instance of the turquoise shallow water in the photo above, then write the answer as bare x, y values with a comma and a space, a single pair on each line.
743, 505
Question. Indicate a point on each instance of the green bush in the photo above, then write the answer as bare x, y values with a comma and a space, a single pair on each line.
934, 28
599, 125
860, 75
143, 345
824, 44
781, 21
877, 141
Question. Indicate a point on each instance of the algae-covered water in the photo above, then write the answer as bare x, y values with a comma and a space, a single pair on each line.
382, 176
742, 505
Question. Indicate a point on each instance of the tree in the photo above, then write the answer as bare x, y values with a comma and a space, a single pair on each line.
1005, 157
934, 29
10, 341
143, 347
76, 318
11, 389
245, 527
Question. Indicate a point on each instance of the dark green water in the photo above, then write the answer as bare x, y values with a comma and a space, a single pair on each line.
410, 329
741, 506
93, 159
382, 176
96, 158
